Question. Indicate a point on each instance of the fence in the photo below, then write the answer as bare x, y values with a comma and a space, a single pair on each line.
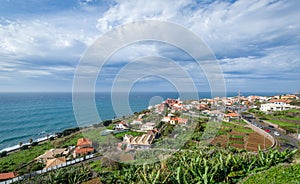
25, 176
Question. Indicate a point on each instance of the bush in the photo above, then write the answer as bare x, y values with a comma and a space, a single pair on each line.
70, 131
24, 147
3, 153
107, 122
34, 143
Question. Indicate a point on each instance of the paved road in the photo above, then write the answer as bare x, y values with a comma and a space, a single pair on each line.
284, 141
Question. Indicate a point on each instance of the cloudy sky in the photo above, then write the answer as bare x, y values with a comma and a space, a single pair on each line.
256, 42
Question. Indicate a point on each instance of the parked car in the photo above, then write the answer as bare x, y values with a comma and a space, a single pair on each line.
271, 126
267, 130
276, 133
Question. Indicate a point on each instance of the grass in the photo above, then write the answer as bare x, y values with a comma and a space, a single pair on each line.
240, 122
70, 140
237, 136
14, 160
111, 127
243, 130
279, 174
228, 124
285, 119
281, 123
134, 134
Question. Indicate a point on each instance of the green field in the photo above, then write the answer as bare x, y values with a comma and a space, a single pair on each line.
237, 136
237, 128
283, 124
243, 130
277, 175
287, 120
15, 160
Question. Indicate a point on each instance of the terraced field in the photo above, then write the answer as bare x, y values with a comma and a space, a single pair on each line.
239, 136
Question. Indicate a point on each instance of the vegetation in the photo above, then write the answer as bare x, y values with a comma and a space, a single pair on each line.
20, 159
198, 165
287, 120
134, 134
69, 175
70, 140
279, 174
194, 164
295, 102
110, 126
67, 132
201, 165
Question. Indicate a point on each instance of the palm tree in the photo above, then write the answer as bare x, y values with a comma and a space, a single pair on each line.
30, 141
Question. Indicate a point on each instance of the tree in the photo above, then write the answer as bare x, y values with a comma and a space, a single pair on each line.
34, 143
30, 141
3, 153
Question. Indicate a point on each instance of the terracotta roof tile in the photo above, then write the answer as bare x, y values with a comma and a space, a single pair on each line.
84, 142
6, 176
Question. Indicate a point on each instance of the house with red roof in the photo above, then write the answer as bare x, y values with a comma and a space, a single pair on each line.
7, 176
121, 126
231, 117
84, 147
179, 121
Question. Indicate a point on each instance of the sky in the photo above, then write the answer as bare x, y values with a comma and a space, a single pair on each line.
256, 42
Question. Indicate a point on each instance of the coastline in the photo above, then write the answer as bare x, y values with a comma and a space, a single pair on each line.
17, 147
44, 138
56, 113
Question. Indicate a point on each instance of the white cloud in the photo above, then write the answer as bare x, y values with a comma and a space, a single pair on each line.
259, 38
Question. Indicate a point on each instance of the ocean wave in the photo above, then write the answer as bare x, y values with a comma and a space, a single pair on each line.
15, 138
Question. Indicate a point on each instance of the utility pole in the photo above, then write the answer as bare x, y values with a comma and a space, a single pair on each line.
239, 101
239, 96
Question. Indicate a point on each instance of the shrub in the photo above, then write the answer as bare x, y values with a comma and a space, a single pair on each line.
24, 147
3, 153
34, 143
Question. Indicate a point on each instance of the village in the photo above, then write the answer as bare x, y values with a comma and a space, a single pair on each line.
142, 130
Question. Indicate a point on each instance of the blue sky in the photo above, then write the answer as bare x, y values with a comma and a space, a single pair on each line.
256, 42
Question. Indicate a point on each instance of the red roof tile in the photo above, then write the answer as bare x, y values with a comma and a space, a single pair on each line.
232, 114
6, 176
84, 142
84, 150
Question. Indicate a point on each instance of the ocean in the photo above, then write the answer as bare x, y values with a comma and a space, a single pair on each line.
35, 115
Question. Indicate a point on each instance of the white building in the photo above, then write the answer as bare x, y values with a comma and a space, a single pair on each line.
278, 105
147, 126
136, 122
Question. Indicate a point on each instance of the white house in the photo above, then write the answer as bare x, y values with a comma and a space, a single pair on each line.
147, 126
136, 122
166, 119
121, 126
276, 105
